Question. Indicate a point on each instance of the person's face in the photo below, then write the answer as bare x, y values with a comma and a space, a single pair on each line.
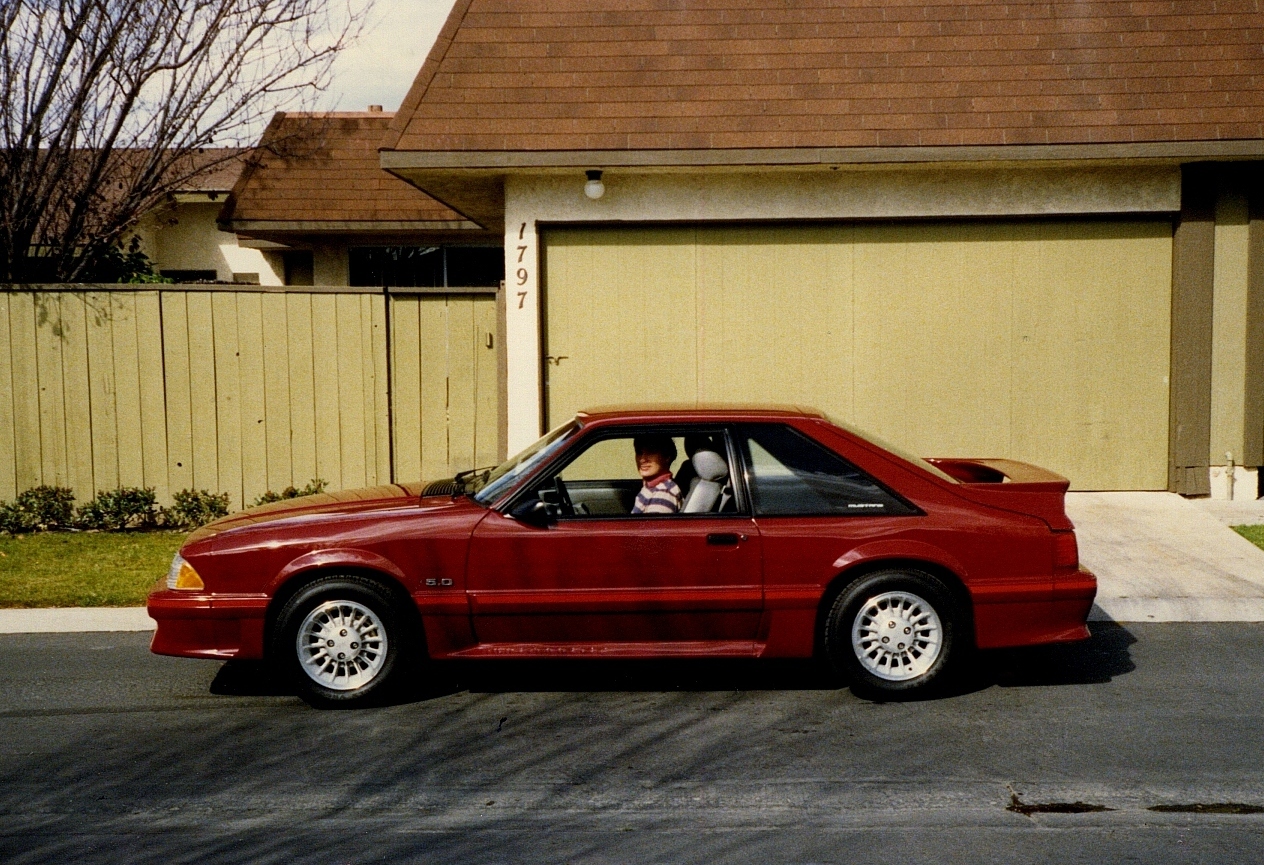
650, 464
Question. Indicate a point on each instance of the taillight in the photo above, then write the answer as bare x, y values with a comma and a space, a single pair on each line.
1066, 552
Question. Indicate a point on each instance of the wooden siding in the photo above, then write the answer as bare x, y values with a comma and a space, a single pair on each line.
1193, 300
1040, 341
236, 392
1253, 412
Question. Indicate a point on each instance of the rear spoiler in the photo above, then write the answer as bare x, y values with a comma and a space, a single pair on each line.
1011, 485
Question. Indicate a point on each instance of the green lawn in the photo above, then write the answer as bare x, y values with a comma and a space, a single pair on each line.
1254, 534
83, 569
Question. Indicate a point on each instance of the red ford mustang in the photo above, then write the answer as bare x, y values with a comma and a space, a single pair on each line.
786, 535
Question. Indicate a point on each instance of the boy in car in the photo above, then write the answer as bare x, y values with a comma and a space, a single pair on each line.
659, 493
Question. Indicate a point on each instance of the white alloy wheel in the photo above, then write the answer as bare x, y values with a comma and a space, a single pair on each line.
341, 645
897, 636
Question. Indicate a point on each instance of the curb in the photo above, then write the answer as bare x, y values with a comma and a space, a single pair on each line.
67, 620
1140, 610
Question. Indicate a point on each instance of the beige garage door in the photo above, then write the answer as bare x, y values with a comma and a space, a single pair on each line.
1040, 341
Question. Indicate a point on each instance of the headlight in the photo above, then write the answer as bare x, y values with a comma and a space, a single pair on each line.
182, 575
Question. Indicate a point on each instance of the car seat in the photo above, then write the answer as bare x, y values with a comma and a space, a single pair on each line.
712, 470
685, 476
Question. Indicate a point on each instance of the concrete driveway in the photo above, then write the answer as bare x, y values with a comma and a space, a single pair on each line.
1161, 558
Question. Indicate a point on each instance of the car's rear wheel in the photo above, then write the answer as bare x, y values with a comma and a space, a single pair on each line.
893, 633
340, 640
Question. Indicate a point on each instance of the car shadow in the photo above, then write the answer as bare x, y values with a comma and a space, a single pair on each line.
1097, 660
248, 679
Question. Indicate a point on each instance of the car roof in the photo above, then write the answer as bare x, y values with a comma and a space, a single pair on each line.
666, 411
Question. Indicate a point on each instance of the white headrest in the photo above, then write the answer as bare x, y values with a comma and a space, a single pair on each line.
709, 465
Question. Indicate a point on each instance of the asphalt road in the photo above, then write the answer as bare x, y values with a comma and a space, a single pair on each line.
110, 754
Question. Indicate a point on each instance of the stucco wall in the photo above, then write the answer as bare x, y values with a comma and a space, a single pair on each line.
330, 264
186, 237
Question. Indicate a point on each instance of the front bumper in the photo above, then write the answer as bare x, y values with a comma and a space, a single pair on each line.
201, 625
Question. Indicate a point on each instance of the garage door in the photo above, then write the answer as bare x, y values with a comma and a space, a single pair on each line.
1039, 341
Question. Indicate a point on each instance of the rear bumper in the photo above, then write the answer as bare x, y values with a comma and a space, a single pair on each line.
197, 625
1059, 616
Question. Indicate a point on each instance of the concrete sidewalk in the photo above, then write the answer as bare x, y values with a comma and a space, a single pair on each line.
1158, 558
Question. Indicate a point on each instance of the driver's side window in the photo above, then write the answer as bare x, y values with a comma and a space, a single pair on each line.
601, 481
610, 473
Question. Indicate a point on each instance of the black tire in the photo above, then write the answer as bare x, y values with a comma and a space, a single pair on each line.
899, 606
342, 608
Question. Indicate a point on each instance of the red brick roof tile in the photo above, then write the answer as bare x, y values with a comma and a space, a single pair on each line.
521, 75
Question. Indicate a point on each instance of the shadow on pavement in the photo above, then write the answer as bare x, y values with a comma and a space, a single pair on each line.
248, 679
1094, 661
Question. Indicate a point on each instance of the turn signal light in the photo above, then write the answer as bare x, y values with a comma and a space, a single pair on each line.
182, 575
1066, 552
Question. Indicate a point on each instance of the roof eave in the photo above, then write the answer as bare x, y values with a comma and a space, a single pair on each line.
335, 226
484, 160
471, 182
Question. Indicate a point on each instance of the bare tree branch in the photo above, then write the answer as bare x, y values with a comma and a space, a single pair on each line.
105, 103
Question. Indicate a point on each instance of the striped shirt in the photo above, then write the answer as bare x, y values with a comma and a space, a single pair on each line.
659, 495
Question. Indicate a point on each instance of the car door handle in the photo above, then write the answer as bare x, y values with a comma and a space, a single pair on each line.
724, 539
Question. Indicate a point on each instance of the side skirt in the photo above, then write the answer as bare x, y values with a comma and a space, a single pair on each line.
683, 649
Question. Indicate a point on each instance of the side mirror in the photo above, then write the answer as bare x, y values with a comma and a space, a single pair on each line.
533, 512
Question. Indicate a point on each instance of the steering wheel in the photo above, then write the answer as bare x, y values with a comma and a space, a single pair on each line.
563, 497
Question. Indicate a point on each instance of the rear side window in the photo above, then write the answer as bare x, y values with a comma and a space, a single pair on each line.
791, 475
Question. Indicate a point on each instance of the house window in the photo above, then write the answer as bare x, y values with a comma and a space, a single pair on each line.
427, 266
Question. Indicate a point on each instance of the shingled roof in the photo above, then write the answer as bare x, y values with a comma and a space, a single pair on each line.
213, 169
320, 172
541, 75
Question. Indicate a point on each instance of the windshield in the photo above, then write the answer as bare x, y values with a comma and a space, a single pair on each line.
492, 485
895, 449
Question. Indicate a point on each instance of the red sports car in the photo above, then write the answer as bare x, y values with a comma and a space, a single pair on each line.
644, 533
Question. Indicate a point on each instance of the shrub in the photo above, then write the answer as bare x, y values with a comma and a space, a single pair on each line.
314, 486
38, 509
123, 508
193, 508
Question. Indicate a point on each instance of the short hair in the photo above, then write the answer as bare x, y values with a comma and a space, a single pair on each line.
656, 444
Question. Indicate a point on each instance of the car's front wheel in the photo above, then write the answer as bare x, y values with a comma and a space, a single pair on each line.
893, 633
340, 640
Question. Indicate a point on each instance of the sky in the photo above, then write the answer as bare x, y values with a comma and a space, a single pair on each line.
380, 67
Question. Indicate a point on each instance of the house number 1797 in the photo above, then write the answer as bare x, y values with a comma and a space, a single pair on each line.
522, 273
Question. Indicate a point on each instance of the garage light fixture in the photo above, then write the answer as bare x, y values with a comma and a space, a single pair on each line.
594, 188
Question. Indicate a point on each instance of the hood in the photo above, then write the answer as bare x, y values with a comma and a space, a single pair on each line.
340, 502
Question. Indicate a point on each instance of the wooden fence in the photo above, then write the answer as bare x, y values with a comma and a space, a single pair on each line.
243, 391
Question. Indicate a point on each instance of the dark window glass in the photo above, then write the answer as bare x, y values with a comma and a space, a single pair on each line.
475, 265
793, 475
427, 266
404, 266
